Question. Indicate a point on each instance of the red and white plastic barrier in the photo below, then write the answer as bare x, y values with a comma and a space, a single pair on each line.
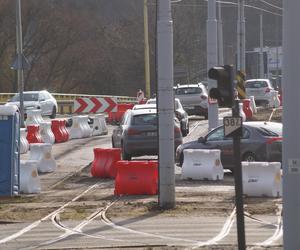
59, 130
42, 153
202, 164
104, 164
274, 101
46, 132
87, 130
99, 125
242, 113
115, 117
33, 134
80, 127
24, 145
247, 108
34, 116
29, 178
262, 179
136, 178
253, 104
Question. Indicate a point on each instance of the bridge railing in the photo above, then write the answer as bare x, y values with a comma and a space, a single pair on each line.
65, 102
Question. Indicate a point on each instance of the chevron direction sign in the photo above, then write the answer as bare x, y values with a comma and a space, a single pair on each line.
95, 105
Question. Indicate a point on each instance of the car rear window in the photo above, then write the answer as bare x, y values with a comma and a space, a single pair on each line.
274, 131
145, 119
256, 84
188, 91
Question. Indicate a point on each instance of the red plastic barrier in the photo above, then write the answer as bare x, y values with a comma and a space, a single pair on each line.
115, 117
247, 108
64, 129
104, 164
58, 130
136, 178
33, 134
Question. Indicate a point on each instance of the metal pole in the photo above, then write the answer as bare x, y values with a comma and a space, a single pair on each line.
212, 60
241, 42
20, 59
240, 224
220, 35
291, 120
165, 105
261, 53
146, 48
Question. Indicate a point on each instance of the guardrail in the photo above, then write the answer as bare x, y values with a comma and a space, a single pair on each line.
65, 102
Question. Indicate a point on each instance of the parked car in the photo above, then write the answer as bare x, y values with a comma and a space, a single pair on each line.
42, 100
180, 113
137, 133
193, 98
261, 141
261, 89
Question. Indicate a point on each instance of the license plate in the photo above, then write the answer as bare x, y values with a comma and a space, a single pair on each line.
151, 133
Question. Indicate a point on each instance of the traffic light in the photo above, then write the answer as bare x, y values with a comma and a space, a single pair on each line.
224, 93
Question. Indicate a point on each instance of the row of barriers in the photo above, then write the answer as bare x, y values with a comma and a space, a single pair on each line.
259, 178
141, 177
131, 177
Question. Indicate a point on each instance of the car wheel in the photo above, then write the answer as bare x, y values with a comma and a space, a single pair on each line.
53, 114
249, 157
125, 156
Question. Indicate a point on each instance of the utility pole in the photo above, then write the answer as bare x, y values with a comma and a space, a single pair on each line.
220, 35
165, 102
261, 45
241, 42
146, 48
212, 60
19, 63
291, 120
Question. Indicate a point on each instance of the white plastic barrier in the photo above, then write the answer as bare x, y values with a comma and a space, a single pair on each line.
24, 145
274, 101
262, 179
76, 131
99, 125
42, 153
46, 132
202, 164
87, 130
242, 113
34, 116
29, 178
252, 104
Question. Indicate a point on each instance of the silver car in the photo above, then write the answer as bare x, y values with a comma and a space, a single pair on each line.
261, 141
137, 133
180, 113
194, 98
42, 100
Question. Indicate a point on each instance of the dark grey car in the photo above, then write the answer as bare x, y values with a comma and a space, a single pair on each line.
261, 141
137, 133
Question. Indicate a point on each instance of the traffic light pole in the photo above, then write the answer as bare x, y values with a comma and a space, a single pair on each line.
239, 202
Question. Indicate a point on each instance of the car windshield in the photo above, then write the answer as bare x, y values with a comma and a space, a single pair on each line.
188, 91
256, 84
27, 97
145, 119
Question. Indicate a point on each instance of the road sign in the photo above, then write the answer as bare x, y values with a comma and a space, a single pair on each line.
95, 105
232, 126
